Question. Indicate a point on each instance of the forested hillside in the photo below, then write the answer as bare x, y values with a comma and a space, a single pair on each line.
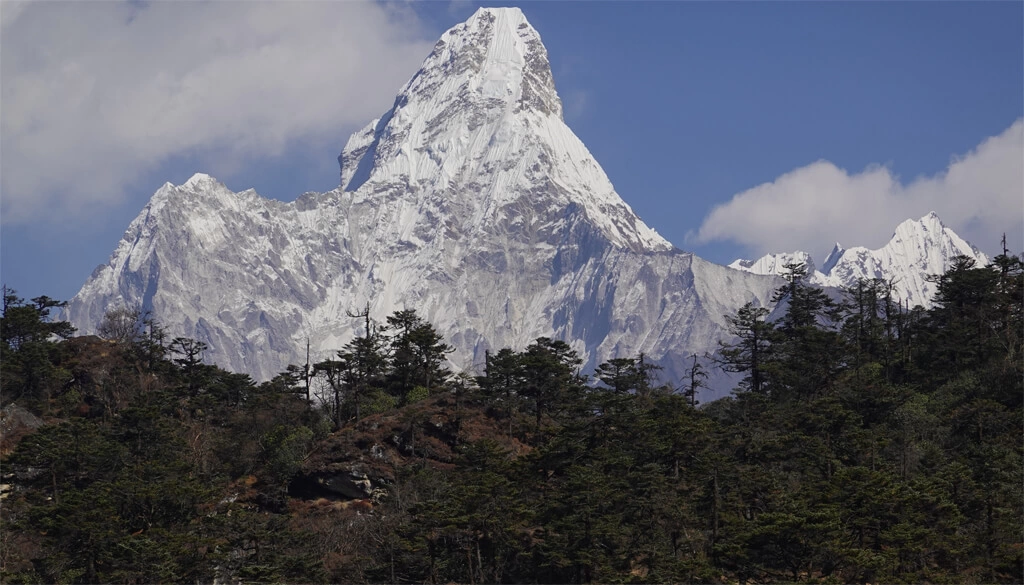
866, 443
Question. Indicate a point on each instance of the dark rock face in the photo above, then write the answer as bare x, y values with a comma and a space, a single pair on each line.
345, 485
360, 462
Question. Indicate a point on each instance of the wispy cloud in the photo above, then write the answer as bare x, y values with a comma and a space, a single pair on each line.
575, 104
95, 94
980, 195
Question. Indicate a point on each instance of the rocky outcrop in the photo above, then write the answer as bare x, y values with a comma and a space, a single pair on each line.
360, 462
16, 422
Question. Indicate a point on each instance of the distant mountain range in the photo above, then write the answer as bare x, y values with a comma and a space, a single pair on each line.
917, 249
471, 201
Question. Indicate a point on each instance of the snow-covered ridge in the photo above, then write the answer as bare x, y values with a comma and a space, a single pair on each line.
918, 248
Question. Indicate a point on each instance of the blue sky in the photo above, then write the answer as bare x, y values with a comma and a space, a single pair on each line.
734, 129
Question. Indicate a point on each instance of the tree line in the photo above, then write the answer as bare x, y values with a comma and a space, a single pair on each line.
865, 442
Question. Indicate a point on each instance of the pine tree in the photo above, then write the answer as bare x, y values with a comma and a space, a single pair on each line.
808, 349
503, 382
551, 379
417, 354
753, 352
695, 381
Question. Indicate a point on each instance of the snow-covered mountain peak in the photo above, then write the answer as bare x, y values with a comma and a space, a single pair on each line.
199, 187
199, 181
495, 58
476, 138
927, 229
932, 243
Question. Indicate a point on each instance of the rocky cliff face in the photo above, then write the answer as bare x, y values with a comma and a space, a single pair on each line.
469, 200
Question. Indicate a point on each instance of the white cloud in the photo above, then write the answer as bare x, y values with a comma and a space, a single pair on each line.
980, 196
94, 94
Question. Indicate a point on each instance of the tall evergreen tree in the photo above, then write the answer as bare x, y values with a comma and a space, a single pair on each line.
551, 378
503, 382
808, 348
417, 354
753, 353
29, 354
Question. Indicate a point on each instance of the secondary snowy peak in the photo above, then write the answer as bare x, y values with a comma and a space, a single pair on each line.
833, 258
929, 239
478, 130
918, 248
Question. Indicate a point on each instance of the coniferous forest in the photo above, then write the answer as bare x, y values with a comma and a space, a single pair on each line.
866, 442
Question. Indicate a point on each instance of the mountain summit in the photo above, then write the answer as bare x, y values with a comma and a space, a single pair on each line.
479, 130
468, 200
